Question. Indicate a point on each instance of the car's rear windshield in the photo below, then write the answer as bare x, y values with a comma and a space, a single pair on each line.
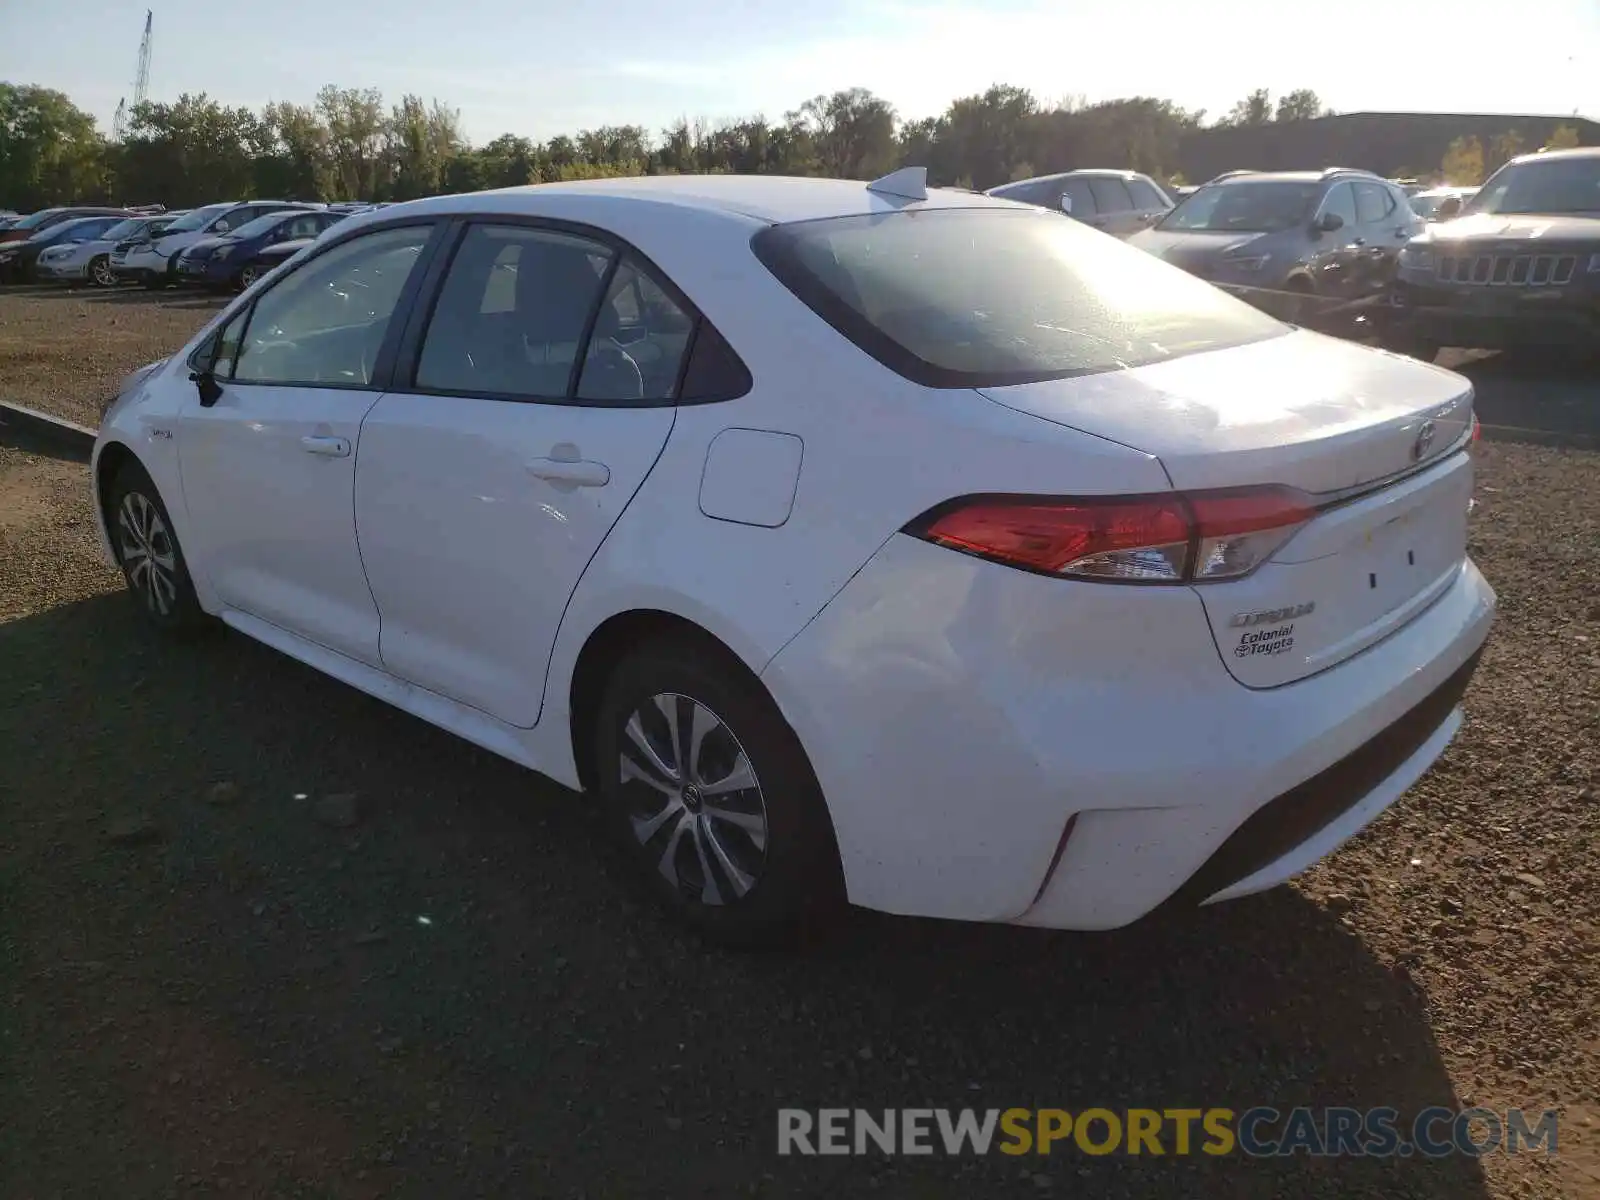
973, 297
1554, 186
1257, 206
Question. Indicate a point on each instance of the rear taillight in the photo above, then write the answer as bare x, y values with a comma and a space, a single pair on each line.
1193, 537
1477, 429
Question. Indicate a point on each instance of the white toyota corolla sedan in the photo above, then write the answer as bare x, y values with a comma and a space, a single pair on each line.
839, 540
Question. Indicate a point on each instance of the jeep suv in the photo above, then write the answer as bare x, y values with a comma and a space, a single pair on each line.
1336, 232
1118, 202
1520, 265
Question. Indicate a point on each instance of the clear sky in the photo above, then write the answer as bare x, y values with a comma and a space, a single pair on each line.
539, 68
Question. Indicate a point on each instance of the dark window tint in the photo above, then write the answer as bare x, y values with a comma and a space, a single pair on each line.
639, 340
219, 351
324, 323
715, 370
1082, 198
1110, 196
1247, 206
975, 297
1145, 196
512, 313
1373, 202
1341, 199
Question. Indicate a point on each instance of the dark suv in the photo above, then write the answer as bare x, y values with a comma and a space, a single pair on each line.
1118, 202
1336, 232
1520, 266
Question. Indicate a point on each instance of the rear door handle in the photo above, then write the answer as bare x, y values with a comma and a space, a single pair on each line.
328, 447
580, 473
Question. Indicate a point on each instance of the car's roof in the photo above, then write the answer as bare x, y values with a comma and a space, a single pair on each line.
1273, 177
1569, 152
771, 199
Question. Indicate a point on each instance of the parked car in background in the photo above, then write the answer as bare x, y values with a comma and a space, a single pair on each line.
34, 222
90, 261
1182, 590
233, 260
1519, 267
1441, 203
154, 264
1335, 232
1117, 202
18, 260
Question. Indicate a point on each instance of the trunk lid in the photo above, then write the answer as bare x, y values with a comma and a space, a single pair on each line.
1375, 438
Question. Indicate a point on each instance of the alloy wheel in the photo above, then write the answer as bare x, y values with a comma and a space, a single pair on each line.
148, 554
100, 273
693, 800
248, 276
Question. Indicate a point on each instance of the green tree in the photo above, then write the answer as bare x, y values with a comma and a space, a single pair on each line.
193, 151
983, 137
1563, 137
852, 133
1301, 105
1503, 147
49, 149
1462, 164
1255, 109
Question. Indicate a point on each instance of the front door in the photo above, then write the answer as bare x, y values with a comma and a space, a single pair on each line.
269, 462
486, 486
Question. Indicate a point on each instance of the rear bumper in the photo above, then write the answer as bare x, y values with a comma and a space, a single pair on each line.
999, 746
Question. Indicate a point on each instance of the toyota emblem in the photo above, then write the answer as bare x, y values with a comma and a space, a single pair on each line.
1419, 448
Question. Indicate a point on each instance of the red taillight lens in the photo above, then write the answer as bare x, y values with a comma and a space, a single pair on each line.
1477, 429
1168, 538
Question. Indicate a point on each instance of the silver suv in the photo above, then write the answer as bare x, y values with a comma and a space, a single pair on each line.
1333, 233
1119, 202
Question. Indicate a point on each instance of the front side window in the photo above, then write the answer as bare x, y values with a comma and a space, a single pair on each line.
1253, 206
988, 296
512, 313
1110, 196
1077, 190
1373, 203
324, 323
1341, 200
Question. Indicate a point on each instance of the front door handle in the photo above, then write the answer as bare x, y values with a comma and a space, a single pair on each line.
328, 447
576, 473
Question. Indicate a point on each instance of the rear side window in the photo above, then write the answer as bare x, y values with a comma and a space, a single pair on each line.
1145, 196
1110, 196
976, 297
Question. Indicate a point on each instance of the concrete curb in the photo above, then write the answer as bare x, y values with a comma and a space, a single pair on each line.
27, 428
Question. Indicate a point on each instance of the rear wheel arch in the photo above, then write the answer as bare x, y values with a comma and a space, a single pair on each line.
605, 648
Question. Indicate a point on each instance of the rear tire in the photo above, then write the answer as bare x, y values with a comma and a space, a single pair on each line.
710, 794
153, 282
147, 550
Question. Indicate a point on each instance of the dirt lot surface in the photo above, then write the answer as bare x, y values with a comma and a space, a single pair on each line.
216, 981
64, 351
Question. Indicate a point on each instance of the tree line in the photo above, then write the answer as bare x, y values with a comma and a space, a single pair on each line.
349, 144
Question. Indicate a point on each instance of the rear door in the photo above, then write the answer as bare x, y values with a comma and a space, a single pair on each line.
1114, 208
539, 395
1149, 203
1386, 225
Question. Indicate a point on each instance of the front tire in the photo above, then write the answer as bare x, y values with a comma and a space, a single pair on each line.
709, 792
248, 274
100, 273
147, 549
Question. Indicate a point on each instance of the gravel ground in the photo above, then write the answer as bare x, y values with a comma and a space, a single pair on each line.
263, 936
63, 351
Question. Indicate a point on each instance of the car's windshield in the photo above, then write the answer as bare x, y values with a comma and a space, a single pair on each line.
261, 225
986, 296
125, 229
197, 219
1556, 185
1254, 206
59, 230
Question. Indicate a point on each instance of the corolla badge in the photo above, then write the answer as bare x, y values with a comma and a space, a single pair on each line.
1419, 448
1272, 616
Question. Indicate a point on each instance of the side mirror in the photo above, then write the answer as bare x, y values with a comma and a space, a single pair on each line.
1066, 204
1328, 222
1448, 207
208, 387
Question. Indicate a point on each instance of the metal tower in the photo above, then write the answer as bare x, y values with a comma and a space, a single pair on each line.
141, 82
